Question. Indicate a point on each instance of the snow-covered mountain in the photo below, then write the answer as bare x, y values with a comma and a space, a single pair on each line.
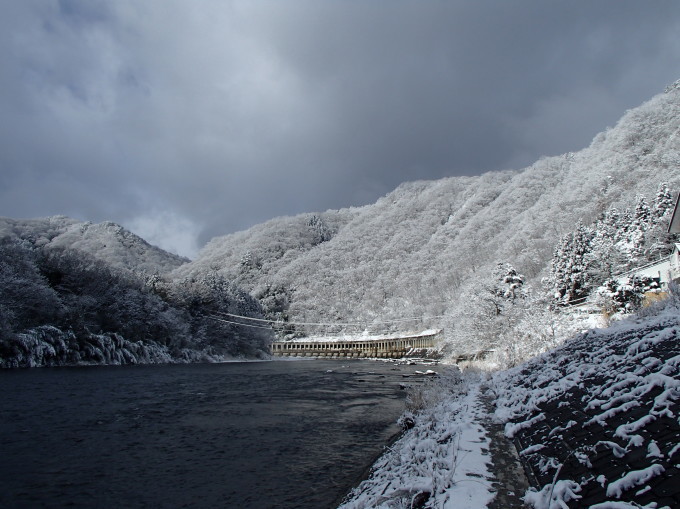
107, 242
73, 293
418, 249
425, 251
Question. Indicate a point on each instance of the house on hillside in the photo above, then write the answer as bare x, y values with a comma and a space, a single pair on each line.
674, 226
667, 269
662, 271
674, 262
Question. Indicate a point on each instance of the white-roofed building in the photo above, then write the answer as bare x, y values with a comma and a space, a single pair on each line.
664, 270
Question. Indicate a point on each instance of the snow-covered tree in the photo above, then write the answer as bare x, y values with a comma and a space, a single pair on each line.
509, 283
26, 298
642, 222
321, 232
569, 271
494, 303
664, 203
418, 251
62, 306
624, 297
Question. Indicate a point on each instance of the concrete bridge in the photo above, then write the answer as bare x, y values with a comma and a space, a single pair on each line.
371, 346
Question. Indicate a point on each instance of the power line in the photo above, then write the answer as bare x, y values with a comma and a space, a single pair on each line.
329, 324
338, 335
241, 324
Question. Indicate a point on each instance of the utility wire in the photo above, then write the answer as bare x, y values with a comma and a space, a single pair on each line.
326, 335
329, 324
339, 335
241, 324
273, 324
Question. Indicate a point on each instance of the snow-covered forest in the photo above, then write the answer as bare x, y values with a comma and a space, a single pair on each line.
492, 259
518, 319
74, 293
433, 250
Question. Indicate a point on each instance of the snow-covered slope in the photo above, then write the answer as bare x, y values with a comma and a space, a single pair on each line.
107, 242
596, 421
411, 252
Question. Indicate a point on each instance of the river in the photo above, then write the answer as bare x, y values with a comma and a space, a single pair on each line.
285, 434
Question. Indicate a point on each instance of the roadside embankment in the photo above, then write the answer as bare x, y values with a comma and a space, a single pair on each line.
595, 423
443, 459
596, 420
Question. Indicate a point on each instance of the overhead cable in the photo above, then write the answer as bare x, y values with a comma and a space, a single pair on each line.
241, 324
364, 323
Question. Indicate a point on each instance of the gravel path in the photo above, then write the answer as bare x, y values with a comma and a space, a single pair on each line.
509, 479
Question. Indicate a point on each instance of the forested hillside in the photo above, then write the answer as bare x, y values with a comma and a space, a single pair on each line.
428, 249
493, 259
73, 293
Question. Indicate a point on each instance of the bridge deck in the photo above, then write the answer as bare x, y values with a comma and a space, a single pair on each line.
355, 347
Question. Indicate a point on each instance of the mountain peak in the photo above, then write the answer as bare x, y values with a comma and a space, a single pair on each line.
106, 241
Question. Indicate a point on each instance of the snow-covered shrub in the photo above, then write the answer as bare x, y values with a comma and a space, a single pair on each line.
426, 395
553, 496
614, 297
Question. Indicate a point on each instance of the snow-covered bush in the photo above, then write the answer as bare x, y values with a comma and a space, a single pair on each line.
624, 297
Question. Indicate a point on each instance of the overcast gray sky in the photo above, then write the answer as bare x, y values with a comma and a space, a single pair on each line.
183, 120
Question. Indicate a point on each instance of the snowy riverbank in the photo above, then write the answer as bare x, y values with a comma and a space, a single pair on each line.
595, 421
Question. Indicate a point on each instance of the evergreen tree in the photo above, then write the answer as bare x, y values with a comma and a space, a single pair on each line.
625, 223
606, 258
319, 229
611, 225
569, 268
663, 205
643, 214
658, 242
509, 284
642, 219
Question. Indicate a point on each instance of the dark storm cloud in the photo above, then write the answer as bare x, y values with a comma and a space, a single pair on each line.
185, 120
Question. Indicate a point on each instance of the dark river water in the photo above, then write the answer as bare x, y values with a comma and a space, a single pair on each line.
239, 435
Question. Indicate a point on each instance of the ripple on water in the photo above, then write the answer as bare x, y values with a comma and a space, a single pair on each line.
275, 434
